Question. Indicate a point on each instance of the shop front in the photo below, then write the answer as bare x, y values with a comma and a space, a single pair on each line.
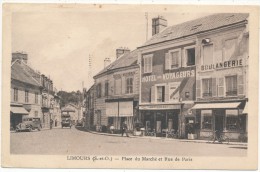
160, 119
118, 112
227, 118
17, 113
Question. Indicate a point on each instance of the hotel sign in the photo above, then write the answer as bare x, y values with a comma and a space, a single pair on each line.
169, 76
223, 65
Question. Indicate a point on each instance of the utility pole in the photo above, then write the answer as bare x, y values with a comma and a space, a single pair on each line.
146, 17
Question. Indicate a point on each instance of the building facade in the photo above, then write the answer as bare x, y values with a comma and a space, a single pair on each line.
193, 77
89, 105
117, 89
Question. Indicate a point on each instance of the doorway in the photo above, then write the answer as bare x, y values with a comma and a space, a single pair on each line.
219, 119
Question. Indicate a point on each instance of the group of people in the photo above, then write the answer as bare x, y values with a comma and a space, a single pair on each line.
124, 129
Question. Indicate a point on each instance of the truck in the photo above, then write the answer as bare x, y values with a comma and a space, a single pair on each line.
65, 120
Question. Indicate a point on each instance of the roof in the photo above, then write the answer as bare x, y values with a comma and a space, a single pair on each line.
21, 74
197, 26
126, 60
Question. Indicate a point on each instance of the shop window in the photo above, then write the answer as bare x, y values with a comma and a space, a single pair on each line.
111, 120
190, 57
208, 54
15, 94
232, 122
26, 96
129, 85
231, 85
148, 59
207, 87
206, 119
160, 93
118, 86
36, 98
106, 88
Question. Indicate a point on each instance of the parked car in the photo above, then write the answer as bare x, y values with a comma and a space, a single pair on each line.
29, 124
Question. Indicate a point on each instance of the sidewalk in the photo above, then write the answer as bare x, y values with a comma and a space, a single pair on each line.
162, 138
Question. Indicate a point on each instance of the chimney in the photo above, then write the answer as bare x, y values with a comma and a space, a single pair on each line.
121, 50
21, 56
158, 24
107, 61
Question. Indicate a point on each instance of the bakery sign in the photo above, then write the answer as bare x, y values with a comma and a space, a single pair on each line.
223, 65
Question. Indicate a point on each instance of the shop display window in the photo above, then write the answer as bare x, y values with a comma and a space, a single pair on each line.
232, 122
206, 119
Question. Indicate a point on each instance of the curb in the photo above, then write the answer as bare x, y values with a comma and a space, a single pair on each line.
163, 138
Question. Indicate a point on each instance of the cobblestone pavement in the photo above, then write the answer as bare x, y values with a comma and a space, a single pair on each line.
75, 142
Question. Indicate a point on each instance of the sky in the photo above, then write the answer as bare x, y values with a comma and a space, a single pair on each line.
58, 41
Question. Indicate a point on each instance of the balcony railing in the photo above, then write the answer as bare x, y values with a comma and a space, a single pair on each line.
208, 94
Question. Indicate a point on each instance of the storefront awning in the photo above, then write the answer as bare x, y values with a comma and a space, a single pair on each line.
19, 110
245, 109
112, 109
119, 109
230, 105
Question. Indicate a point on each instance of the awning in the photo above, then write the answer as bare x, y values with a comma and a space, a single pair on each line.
19, 110
112, 109
230, 105
245, 109
119, 109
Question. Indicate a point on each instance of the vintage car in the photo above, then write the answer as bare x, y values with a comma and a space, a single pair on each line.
66, 121
29, 124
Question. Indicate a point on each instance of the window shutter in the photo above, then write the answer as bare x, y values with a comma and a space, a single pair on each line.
221, 87
179, 59
124, 85
167, 61
240, 85
166, 93
153, 94
198, 88
214, 87
184, 58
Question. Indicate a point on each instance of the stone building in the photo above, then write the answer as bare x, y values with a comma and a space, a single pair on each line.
117, 89
195, 74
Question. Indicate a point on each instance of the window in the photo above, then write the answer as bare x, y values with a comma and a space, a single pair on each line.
129, 85
175, 55
231, 85
106, 88
15, 94
118, 86
99, 90
230, 46
208, 54
206, 119
148, 59
232, 123
36, 98
160, 93
190, 57
26, 96
207, 87
36, 114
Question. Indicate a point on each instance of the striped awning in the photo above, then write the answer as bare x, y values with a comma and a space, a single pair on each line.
230, 105
19, 110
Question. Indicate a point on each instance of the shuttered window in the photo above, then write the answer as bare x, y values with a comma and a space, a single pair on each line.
26, 96
221, 87
148, 60
208, 54
129, 85
160, 93
106, 88
15, 94
118, 86
231, 85
207, 87
240, 85
198, 88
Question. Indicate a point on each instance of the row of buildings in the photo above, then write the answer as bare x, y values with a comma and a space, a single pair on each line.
32, 94
191, 74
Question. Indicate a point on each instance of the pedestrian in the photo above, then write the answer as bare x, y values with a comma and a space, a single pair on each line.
124, 129
51, 122
56, 122
112, 128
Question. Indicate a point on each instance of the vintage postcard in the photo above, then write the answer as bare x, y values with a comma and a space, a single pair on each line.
130, 86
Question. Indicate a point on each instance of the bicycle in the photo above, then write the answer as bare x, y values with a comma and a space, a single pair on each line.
220, 137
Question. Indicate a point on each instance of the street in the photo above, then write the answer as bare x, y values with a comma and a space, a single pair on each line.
75, 142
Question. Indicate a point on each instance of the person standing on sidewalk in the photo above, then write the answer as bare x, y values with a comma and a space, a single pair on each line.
51, 122
124, 129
